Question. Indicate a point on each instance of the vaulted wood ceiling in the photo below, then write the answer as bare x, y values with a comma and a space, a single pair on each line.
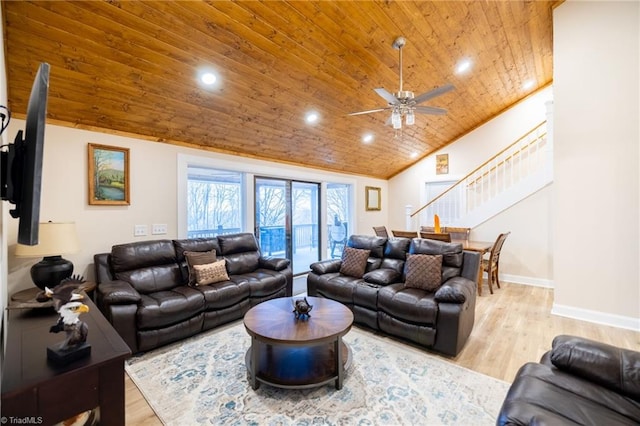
131, 67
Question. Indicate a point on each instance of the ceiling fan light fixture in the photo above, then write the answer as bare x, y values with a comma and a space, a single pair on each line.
396, 120
410, 119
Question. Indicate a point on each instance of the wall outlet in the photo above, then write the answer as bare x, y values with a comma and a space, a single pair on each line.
140, 230
159, 228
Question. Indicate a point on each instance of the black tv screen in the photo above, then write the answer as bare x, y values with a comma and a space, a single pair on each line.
22, 162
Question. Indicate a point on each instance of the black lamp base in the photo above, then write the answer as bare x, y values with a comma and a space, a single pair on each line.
50, 271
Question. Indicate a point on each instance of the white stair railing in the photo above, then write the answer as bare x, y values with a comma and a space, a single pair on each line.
502, 172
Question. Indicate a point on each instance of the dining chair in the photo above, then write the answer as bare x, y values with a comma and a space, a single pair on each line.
405, 234
457, 233
381, 231
427, 229
492, 264
442, 236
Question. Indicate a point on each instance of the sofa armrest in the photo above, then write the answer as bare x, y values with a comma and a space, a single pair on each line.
326, 266
455, 290
117, 293
101, 264
471, 265
273, 263
615, 368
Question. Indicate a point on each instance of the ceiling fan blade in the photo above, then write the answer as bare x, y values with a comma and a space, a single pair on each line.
368, 112
430, 110
386, 96
433, 93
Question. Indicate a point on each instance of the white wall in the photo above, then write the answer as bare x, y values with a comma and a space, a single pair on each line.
526, 256
597, 188
154, 193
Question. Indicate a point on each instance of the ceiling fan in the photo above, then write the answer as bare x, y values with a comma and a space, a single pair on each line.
404, 103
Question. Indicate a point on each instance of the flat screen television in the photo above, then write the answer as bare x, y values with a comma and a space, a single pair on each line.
21, 163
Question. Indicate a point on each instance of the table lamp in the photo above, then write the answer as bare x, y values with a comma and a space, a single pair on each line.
55, 240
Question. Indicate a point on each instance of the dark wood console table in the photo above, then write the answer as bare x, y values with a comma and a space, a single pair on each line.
34, 388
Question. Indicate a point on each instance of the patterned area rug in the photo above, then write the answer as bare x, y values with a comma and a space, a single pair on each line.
203, 380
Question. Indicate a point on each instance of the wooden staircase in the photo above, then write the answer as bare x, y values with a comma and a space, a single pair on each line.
514, 173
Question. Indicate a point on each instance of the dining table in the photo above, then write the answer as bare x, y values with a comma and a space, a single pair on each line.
481, 247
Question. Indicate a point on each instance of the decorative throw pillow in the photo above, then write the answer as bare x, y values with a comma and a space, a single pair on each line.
211, 273
423, 271
354, 262
198, 258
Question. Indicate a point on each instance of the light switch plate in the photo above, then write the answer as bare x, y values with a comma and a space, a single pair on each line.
140, 230
159, 228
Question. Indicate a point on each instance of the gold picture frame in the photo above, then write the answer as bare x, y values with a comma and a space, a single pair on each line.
442, 164
373, 198
108, 175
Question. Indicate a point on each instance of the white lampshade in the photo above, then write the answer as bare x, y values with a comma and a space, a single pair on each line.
55, 239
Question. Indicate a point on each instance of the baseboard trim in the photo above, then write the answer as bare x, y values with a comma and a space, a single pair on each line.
602, 318
596, 317
519, 279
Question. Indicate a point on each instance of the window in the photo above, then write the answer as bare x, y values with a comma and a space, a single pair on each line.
449, 207
214, 202
338, 213
217, 196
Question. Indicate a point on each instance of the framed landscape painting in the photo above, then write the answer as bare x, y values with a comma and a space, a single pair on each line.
108, 175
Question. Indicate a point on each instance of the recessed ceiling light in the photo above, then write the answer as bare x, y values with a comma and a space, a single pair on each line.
367, 138
414, 154
312, 117
528, 84
463, 66
208, 78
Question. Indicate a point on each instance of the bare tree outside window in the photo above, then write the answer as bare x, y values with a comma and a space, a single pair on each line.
214, 203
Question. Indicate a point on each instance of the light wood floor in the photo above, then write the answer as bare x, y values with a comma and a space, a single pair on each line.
513, 326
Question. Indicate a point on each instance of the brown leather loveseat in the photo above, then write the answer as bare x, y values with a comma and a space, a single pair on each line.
388, 294
143, 287
578, 382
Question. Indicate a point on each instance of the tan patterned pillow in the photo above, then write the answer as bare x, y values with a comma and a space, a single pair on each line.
423, 271
354, 262
211, 273
198, 258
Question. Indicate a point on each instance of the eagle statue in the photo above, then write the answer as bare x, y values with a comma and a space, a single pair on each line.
67, 301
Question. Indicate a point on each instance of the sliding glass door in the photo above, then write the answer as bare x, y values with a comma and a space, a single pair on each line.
287, 217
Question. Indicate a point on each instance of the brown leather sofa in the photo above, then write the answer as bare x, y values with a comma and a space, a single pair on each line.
578, 382
441, 320
143, 287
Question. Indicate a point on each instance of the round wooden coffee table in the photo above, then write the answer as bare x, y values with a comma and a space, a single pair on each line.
297, 353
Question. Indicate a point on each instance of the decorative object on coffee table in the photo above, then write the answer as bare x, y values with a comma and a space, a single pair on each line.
301, 308
67, 301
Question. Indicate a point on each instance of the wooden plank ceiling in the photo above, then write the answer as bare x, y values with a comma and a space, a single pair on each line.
131, 67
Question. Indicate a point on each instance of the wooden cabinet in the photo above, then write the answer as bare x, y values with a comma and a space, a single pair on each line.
35, 389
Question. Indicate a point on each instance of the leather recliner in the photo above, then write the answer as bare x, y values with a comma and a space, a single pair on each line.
578, 382
143, 287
